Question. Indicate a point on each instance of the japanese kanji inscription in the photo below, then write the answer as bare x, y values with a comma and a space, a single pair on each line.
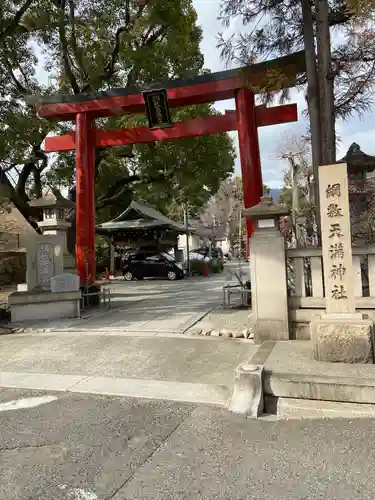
336, 238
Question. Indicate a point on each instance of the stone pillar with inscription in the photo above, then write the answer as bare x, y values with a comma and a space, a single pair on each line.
55, 210
341, 334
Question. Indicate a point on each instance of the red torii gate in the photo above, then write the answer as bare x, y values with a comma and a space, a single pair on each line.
83, 109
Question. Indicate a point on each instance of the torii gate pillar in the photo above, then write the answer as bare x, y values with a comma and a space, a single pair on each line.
249, 154
85, 199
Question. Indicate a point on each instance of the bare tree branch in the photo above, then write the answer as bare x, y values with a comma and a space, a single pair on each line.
153, 38
116, 191
21, 89
109, 69
64, 49
73, 41
12, 25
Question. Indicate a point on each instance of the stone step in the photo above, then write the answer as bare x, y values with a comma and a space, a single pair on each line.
288, 408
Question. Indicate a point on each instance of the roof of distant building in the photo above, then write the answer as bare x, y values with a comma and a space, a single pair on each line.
140, 216
357, 160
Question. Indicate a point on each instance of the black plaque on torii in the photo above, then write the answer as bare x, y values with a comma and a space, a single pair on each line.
157, 108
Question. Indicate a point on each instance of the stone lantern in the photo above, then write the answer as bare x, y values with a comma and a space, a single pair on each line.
268, 274
56, 209
361, 175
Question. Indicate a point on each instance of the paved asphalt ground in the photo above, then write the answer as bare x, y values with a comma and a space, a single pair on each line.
81, 447
152, 305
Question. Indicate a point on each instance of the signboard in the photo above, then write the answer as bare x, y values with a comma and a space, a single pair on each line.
264, 223
157, 109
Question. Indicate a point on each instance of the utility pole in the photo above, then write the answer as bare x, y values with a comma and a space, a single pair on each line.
186, 223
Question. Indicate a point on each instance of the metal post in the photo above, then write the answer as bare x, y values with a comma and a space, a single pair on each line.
186, 223
240, 235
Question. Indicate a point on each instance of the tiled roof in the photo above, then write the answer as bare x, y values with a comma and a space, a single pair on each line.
14, 222
144, 212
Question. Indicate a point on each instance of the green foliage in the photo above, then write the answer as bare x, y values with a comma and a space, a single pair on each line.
88, 46
266, 189
194, 167
216, 267
198, 267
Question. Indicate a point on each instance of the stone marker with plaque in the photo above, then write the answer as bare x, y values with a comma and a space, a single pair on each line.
65, 282
44, 258
39, 298
341, 334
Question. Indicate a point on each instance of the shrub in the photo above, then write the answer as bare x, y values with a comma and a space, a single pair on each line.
197, 267
216, 266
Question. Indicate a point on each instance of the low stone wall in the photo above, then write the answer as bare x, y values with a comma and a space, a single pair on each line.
31, 306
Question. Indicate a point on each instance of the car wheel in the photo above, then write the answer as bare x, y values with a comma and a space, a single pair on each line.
128, 276
172, 276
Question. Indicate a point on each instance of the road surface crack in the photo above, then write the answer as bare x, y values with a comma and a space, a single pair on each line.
150, 455
25, 447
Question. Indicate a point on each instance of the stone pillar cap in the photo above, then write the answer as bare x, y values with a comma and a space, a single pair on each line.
267, 209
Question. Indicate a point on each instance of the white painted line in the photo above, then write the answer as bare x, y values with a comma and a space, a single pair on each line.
187, 392
156, 389
20, 404
39, 381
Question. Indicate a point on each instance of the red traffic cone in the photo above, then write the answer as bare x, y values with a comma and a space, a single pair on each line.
206, 270
106, 274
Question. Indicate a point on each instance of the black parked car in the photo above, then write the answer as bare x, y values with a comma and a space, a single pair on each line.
141, 264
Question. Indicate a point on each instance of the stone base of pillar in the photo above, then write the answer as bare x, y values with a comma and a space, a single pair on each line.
265, 329
342, 338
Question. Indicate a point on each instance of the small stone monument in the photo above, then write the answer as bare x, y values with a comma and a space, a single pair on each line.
341, 334
49, 293
44, 259
269, 297
55, 210
65, 282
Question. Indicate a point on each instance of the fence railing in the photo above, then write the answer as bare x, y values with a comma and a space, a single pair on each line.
306, 282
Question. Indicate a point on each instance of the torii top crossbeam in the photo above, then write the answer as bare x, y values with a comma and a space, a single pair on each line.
267, 76
240, 84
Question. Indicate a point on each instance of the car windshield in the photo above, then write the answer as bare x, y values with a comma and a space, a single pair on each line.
168, 257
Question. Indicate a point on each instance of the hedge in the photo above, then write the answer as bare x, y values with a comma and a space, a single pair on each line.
198, 267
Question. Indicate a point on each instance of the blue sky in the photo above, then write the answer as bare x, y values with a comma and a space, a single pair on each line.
270, 138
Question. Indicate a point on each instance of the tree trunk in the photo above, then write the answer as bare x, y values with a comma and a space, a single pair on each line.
313, 103
326, 90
